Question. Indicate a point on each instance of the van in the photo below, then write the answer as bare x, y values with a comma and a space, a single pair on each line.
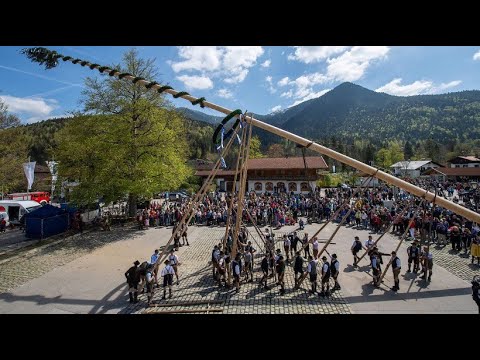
13, 210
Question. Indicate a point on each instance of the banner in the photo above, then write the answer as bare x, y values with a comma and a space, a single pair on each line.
29, 169
52, 166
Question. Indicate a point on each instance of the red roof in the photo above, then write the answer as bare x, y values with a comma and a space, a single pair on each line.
219, 173
313, 162
456, 171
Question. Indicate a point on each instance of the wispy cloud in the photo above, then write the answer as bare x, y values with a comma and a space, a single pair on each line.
276, 108
266, 63
476, 56
417, 87
271, 89
312, 54
225, 93
310, 96
39, 76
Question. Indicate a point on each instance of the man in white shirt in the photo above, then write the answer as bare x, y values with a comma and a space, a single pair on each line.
335, 270
315, 247
396, 267
167, 274
369, 244
312, 271
286, 246
173, 259
149, 280
153, 261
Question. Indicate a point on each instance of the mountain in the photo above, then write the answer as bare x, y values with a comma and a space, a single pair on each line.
351, 111
200, 116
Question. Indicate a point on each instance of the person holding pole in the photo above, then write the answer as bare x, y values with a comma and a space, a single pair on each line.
167, 274
312, 271
325, 277
335, 270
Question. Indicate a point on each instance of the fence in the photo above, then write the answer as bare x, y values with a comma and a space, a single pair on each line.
39, 228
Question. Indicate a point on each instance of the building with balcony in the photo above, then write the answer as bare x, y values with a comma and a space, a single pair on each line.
274, 175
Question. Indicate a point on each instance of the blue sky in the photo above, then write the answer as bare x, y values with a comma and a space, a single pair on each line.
261, 79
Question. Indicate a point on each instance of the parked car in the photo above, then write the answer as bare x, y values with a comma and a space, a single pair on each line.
176, 196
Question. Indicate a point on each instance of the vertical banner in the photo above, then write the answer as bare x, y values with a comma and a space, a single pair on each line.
29, 169
52, 166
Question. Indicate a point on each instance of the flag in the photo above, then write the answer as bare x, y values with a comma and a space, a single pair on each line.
52, 166
29, 169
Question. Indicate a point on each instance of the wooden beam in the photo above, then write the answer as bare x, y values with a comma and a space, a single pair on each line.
188, 303
183, 311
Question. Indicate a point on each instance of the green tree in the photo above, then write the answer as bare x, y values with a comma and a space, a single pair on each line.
13, 150
135, 145
275, 151
383, 158
408, 150
255, 152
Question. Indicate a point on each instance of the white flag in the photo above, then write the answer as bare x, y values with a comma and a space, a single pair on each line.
29, 169
52, 166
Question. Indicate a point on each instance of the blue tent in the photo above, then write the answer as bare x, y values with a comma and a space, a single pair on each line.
46, 221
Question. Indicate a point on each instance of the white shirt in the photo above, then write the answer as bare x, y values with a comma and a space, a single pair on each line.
315, 245
369, 243
168, 270
149, 277
286, 243
173, 259
337, 266
237, 270
398, 263
325, 268
309, 267
248, 257
216, 254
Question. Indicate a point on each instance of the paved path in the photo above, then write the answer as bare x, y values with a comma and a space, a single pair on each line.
85, 274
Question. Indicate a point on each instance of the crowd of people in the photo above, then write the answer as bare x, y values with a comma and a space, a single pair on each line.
375, 209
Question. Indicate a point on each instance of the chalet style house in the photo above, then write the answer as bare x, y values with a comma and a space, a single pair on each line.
273, 175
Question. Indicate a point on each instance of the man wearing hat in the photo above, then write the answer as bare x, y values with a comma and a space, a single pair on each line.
133, 278
325, 277
335, 270
396, 267
167, 274
413, 256
149, 281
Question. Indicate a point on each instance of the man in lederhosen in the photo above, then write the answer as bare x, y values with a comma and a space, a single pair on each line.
167, 274
312, 272
133, 278
281, 273
298, 267
264, 267
173, 259
427, 263
396, 267
335, 270
286, 246
413, 256
325, 277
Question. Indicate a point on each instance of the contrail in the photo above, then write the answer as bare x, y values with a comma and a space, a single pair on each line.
38, 76
52, 91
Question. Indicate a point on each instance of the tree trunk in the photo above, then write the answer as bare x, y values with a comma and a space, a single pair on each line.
132, 205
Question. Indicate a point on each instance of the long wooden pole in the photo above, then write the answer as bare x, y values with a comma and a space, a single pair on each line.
367, 169
399, 244
241, 191
192, 207
234, 187
389, 227
335, 214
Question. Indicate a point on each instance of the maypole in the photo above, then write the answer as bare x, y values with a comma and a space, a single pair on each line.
50, 59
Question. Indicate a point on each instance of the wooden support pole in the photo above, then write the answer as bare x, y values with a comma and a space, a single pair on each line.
365, 183
399, 244
389, 227
184, 311
188, 303
192, 207
241, 192
234, 186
